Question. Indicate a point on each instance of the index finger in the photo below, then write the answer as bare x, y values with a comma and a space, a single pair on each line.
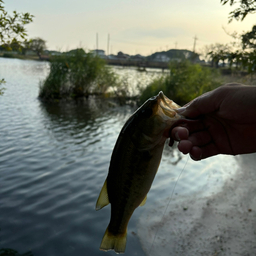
191, 125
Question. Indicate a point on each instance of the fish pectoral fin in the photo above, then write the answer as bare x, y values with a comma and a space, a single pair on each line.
144, 201
113, 242
103, 197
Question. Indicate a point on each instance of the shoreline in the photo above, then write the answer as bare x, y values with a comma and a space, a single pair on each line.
222, 223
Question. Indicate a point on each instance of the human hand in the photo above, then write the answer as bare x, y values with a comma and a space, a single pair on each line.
224, 123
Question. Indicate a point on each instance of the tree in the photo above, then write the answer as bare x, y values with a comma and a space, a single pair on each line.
246, 7
245, 58
12, 29
215, 53
249, 39
38, 45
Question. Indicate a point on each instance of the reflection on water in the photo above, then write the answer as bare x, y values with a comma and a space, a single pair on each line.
136, 80
54, 158
53, 161
84, 122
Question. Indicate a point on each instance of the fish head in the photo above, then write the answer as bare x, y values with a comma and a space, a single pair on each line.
155, 118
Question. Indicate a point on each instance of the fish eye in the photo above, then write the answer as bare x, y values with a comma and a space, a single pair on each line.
153, 98
147, 112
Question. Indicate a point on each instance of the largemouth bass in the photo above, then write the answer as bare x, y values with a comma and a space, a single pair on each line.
133, 166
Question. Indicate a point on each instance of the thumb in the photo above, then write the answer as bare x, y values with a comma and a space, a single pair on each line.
201, 105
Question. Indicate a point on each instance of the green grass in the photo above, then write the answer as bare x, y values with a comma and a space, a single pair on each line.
185, 82
78, 75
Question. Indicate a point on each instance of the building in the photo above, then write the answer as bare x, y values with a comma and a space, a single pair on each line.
100, 53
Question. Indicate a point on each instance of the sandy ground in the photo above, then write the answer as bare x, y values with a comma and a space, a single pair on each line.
223, 223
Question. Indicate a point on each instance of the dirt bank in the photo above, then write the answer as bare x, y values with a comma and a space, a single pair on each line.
222, 224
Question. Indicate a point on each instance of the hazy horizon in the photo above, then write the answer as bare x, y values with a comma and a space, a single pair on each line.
135, 27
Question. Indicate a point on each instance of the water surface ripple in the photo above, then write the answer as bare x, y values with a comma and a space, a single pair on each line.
54, 158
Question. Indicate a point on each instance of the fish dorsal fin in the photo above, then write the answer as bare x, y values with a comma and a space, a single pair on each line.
144, 201
103, 197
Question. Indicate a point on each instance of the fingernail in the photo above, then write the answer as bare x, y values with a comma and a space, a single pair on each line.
181, 110
196, 159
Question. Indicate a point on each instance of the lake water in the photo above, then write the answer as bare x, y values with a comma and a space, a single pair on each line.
54, 158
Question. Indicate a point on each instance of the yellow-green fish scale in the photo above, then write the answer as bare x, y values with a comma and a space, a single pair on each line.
131, 174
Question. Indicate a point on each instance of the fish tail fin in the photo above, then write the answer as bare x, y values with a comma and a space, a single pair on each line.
113, 242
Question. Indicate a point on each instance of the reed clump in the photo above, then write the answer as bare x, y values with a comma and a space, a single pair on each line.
184, 82
78, 74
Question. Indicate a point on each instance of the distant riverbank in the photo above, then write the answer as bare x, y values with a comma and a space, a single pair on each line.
22, 56
140, 64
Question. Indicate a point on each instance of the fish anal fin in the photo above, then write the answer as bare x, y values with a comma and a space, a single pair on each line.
113, 242
103, 197
144, 201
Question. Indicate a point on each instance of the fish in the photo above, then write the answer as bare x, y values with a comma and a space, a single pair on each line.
134, 163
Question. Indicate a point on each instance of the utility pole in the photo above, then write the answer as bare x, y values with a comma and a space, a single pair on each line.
108, 45
194, 48
97, 46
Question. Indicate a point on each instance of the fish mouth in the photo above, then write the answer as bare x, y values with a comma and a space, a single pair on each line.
167, 106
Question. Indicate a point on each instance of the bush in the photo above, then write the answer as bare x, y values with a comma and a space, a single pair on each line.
8, 55
77, 74
184, 82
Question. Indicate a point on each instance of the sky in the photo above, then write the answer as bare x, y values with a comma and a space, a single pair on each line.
132, 26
